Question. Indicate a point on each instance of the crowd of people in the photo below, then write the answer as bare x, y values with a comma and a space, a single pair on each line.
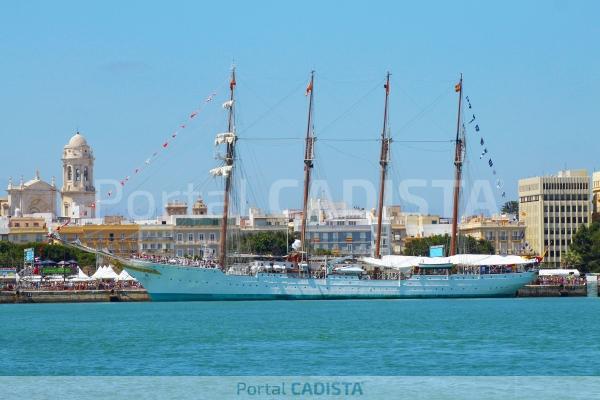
177, 261
88, 285
568, 280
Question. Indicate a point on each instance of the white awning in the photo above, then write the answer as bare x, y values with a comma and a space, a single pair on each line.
558, 272
350, 269
407, 262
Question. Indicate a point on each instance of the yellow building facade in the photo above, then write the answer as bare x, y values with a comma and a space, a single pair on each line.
27, 230
506, 234
120, 239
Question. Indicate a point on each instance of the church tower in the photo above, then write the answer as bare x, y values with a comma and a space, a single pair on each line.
78, 191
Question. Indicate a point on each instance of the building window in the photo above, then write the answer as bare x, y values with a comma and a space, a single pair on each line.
201, 237
179, 253
69, 173
77, 174
190, 237
212, 237
85, 174
180, 237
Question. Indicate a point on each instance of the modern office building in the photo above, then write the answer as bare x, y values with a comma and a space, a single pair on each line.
596, 196
552, 208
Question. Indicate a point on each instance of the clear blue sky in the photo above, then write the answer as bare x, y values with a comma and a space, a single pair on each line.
126, 74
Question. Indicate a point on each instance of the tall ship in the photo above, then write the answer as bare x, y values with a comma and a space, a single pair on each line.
298, 276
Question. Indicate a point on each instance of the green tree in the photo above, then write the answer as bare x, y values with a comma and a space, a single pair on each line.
12, 253
265, 243
572, 259
511, 207
322, 252
466, 244
585, 248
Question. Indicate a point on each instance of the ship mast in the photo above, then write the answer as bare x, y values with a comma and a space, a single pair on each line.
229, 139
458, 163
308, 163
383, 162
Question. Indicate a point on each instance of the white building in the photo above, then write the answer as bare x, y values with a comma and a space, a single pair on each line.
31, 197
78, 191
346, 231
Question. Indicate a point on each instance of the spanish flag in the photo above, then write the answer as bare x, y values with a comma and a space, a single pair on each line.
387, 88
232, 84
309, 88
457, 87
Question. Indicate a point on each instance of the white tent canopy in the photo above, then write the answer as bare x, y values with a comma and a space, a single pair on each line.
79, 277
407, 262
558, 272
105, 272
124, 276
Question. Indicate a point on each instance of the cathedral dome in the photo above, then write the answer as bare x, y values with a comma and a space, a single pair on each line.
78, 140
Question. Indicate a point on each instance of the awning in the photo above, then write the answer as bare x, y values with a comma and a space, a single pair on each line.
558, 272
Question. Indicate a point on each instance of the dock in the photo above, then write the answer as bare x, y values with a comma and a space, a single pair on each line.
73, 296
553, 291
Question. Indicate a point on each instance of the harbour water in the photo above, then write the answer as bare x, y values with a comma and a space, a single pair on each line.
530, 336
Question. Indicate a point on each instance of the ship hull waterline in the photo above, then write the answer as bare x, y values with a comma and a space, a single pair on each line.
183, 283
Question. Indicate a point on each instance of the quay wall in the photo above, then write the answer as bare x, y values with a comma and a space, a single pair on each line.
552, 291
72, 296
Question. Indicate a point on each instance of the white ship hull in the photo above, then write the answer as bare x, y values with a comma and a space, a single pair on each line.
166, 282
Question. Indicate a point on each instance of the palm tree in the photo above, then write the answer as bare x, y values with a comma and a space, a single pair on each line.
511, 207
